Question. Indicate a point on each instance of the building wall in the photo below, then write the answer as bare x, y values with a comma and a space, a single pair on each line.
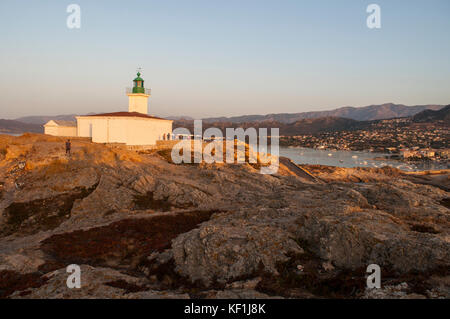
147, 131
127, 130
51, 130
138, 103
85, 126
118, 130
69, 131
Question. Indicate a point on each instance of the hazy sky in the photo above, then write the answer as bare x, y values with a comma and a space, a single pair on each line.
215, 57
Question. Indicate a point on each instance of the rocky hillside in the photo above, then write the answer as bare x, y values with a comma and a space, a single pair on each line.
430, 116
142, 227
11, 126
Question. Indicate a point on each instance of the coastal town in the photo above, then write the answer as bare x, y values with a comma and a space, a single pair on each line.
401, 138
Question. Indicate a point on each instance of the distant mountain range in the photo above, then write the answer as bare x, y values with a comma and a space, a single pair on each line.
322, 124
304, 126
289, 123
40, 120
16, 127
442, 115
179, 118
367, 113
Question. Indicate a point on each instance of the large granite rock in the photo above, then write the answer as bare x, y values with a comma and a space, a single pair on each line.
155, 229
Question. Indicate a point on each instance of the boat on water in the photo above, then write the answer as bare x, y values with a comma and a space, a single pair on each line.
349, 159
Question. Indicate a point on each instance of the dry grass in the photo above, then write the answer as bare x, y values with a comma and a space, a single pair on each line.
56, 167
3, 145
130, 156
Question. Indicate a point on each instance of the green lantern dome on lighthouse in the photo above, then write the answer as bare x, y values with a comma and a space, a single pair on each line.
138, 86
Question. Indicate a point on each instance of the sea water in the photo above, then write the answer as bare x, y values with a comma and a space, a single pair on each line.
300, 155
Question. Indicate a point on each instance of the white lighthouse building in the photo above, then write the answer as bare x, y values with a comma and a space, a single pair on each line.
138, 97
132, 128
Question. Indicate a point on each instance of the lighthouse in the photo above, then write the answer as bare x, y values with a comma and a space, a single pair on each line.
138, 96
134, 129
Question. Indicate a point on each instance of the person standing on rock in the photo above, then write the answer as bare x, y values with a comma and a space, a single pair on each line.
68, 147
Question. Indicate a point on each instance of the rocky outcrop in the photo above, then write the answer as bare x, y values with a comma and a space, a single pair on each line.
96, 283
231, 246
143, 227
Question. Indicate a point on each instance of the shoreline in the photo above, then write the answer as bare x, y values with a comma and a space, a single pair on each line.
353, 159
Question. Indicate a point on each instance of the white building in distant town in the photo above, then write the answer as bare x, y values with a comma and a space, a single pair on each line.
61, 128
132, 128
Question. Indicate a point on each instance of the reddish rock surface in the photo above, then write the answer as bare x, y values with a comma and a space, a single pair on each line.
142, 227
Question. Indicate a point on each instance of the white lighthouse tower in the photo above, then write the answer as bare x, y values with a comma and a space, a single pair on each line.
138, 96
